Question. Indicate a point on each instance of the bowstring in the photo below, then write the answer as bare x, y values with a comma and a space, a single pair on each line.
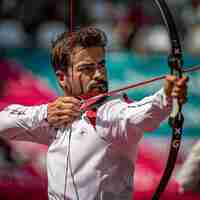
71, 29
68, 160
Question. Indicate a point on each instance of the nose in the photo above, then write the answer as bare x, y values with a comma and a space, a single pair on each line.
99, 74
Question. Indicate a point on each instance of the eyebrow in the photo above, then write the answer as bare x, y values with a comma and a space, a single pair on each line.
91, 63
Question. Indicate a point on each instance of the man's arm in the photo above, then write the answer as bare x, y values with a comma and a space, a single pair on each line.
36, 123
24, 123
144, 115
124, 119
148, 113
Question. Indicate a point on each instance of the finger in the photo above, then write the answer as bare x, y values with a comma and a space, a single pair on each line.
183, 100
179, 93
169, 83
68, 112
55, 115
53, 120
64, 121
181, 96
71, 100
171, 79
180, 89
61, 123
71, 106
182, 81
67, 117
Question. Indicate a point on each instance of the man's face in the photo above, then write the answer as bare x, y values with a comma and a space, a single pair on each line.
88, 72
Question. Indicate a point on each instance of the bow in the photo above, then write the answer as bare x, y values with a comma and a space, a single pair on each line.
176, 119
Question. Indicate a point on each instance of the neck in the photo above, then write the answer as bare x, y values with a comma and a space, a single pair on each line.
84, 96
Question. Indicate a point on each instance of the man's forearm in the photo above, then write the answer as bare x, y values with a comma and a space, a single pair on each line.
148, 113
16, 119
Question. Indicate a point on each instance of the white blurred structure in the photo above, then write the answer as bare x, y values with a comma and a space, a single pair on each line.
12, 34
152, 39
47, 32
193, 40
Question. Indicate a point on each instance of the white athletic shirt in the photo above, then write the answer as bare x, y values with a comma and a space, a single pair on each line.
89, 161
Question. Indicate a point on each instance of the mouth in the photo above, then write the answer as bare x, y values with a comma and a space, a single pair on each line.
100, 86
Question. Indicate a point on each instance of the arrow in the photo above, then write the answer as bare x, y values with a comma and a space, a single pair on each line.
89, 102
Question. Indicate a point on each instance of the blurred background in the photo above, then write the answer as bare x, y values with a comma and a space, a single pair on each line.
138, 49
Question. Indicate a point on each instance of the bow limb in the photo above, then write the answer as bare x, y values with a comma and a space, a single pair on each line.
175, 62
176, 120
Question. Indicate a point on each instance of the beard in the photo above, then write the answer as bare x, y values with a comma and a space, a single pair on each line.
97, 86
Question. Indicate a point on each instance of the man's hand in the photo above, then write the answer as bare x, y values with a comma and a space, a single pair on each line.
176, 87
63, 111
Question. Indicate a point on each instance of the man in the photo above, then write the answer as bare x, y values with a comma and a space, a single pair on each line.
90, 156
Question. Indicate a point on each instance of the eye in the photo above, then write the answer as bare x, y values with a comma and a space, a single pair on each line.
86, 67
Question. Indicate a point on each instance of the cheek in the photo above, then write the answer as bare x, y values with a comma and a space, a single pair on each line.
85, 79
81, 82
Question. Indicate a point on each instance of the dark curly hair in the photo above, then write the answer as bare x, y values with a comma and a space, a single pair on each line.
63, 46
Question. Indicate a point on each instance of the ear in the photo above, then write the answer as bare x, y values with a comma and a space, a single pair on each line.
62, 78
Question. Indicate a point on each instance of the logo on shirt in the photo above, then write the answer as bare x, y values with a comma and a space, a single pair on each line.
16, 111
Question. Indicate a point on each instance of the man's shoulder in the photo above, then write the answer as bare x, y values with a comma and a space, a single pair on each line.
119, 99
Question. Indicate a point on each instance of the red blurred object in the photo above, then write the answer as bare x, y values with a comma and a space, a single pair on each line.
23, 183
149, 169
26, 181
21, 87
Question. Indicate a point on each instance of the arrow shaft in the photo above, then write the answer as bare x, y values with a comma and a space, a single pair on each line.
93, 100
146, 82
